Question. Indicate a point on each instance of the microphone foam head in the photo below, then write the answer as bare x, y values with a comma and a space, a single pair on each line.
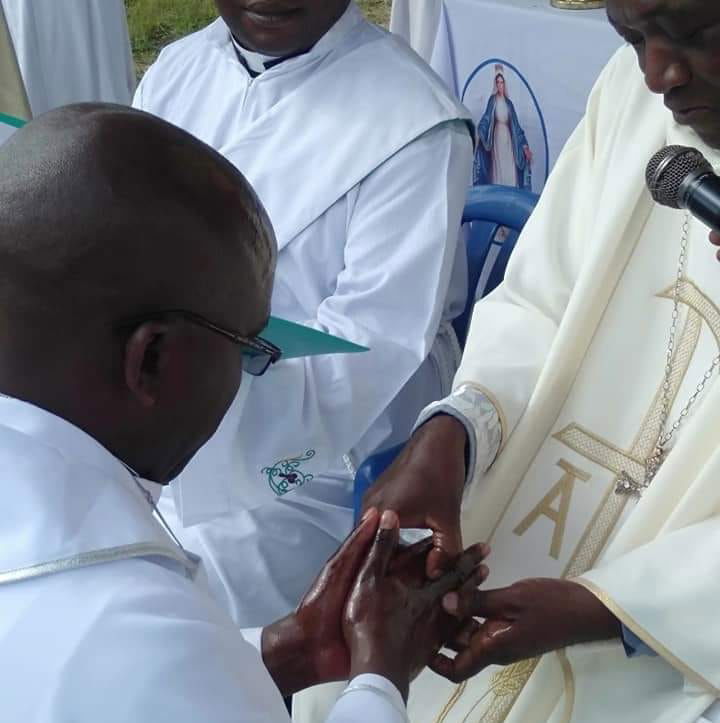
667, 170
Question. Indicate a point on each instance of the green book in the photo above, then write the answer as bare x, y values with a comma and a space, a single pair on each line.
296, 340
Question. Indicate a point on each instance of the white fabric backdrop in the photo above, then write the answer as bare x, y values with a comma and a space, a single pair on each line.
559, 53
417, 22
71, 51
13, 102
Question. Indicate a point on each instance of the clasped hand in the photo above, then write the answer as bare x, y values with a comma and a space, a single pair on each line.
374, 610
371, 610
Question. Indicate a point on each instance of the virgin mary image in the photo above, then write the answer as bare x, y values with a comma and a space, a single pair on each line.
503, 155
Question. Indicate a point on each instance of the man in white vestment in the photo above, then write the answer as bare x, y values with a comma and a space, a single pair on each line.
585, 418
72, 51
122, 343
362, 159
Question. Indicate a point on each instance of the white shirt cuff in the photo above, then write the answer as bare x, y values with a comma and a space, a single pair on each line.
386, 696
481, 420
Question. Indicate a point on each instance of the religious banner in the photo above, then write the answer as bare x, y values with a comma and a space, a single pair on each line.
511, 64
14, 108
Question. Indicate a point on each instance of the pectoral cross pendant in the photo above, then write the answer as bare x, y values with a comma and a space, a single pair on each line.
628, 485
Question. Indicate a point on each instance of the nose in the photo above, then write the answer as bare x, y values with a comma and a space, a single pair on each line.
664, 66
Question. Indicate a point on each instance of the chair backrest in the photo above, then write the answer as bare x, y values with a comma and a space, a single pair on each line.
489, 209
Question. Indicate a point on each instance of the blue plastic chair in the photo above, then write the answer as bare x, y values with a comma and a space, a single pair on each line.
487, 209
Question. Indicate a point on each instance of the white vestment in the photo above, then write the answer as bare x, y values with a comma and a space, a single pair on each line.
362, 158
72, 51
571, 348
100, 619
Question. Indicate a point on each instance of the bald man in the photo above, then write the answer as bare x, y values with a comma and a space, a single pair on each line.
131, 300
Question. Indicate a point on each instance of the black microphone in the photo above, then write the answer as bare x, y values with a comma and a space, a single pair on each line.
682, 177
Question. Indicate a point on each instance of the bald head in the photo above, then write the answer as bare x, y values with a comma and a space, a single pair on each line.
106, 214
112, 210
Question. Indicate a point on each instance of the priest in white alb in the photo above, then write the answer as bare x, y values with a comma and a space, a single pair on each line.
117, 362
362, 158
586, 415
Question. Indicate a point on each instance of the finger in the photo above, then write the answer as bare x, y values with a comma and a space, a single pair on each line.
409, 566
344, 564
383, 548
463, 637
467, 563
715, 238
410, 554
447, 545
478, 577
459, 668
477, 603
468, 662
464, 570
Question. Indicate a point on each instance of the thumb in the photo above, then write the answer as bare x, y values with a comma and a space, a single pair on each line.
383, 548
342, 568
478, 603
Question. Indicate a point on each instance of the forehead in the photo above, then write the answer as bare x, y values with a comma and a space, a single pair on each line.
641, 12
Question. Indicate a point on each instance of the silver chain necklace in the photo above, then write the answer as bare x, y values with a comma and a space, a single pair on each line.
626, 484
153, 506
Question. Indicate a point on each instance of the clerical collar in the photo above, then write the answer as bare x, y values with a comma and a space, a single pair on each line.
258, 63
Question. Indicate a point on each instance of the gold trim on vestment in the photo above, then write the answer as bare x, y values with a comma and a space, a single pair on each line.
693, 297
449, 705
629, 622
607, 515
569, 684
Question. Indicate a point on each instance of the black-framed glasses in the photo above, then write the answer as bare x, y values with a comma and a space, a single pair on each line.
258, 353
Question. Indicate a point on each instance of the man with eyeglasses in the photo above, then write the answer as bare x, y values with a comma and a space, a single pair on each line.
122, 343
362, 159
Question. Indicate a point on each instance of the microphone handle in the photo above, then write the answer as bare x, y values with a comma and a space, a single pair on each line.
702, 199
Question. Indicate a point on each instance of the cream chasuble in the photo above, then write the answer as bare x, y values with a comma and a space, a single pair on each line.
561, 519
580, 329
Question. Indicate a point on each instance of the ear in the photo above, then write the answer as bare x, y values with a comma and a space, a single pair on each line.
145, 354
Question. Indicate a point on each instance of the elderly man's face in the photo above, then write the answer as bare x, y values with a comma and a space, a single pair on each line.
678, 45
280, 27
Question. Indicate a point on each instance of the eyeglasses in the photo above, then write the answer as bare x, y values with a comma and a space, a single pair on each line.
258, 353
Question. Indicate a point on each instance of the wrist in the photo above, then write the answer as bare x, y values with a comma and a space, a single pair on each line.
441, 439
287, 654
365, 660
595, 621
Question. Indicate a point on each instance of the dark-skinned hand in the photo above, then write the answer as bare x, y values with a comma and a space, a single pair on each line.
308, 647
715, 240
425, 486
527, 619
394, 623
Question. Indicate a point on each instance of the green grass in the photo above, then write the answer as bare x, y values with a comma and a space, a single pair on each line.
155, 23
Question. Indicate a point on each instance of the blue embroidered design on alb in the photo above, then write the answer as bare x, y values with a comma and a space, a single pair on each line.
286, 475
